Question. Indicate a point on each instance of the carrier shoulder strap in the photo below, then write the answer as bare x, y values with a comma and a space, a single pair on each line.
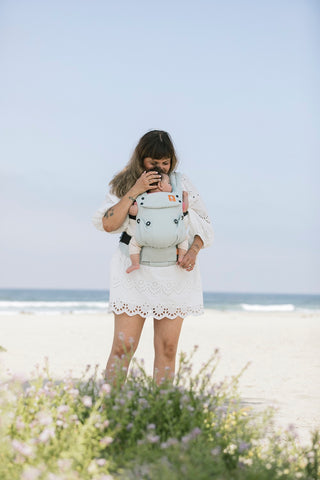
176, 181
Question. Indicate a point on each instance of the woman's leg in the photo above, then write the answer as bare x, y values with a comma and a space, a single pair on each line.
166, 337
127, 332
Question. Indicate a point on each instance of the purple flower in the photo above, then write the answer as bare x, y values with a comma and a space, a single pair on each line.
243, 446
153, 438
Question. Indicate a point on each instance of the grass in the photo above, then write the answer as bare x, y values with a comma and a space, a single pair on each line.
194, 428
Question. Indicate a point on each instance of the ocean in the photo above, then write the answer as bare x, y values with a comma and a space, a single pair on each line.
54, 302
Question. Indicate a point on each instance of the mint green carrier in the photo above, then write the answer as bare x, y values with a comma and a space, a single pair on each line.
160, 225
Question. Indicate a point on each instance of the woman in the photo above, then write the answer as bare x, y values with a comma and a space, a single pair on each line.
167, 293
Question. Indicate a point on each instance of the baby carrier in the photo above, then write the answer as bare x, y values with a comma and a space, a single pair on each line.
160, 225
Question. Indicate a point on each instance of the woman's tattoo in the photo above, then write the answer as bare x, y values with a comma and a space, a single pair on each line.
132, 199
108, 213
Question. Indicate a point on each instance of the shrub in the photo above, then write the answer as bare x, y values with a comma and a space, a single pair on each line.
192, 428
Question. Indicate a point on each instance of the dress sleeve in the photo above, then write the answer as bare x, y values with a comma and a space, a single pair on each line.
98, 216
199, 222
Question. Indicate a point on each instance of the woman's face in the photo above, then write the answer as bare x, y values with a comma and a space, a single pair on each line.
164, 164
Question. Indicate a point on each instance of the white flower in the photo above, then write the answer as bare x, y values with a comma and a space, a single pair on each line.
63, 409
44, 418
30, 473
87, 401
106, 441
46, 435
23, 448
105, 388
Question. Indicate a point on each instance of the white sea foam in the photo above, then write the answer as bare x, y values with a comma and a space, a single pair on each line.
51, 307
268, 308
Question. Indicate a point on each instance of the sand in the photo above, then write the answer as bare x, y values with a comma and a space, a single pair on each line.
283, 348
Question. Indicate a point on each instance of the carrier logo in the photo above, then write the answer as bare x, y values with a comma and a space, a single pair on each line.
172, 198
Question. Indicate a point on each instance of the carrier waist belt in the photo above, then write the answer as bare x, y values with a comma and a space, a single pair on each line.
149, 256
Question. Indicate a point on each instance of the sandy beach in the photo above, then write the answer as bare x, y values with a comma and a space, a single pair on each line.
282, 348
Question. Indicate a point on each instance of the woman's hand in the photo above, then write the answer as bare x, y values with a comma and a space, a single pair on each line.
116, 215
145, 182
189, 260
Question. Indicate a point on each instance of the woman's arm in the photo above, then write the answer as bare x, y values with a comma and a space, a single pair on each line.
115, 215
190, 257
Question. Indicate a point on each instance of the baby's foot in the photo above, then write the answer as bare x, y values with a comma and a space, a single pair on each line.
132, 268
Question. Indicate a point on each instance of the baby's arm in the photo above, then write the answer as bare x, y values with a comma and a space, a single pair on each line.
133, 210
185, 201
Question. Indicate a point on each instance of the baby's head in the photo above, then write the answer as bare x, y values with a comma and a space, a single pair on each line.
163, 185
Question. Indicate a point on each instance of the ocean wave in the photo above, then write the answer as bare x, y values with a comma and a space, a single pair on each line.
268, 308
49, 304
51, 307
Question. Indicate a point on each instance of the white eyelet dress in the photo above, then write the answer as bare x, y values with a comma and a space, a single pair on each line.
158, 292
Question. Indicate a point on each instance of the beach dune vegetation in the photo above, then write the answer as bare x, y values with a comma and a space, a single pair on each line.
193, 428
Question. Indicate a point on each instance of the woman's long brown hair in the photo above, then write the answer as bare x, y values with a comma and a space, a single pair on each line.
155, 144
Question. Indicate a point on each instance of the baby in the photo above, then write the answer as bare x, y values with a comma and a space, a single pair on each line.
134, 247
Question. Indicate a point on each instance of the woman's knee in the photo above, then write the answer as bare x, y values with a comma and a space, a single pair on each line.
123, 349
167, 349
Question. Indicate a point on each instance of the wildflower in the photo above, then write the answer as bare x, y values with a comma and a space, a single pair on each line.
105, 388
101, 462
230, 448
153, 438
22, 448
105, 441
106, 423
195, 432
30, 473
185, 439
172, 441
44, 418
121, 336
53, 476
20, 424
130, 394
87, 401
63, 409
243, 446
151, 426
74, 392
215, 451
64, 464
129, 426
46, 435
105, 477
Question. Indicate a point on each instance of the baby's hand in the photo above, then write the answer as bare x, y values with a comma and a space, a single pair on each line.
133, 210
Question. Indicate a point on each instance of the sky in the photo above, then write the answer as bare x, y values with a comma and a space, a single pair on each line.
235, 83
